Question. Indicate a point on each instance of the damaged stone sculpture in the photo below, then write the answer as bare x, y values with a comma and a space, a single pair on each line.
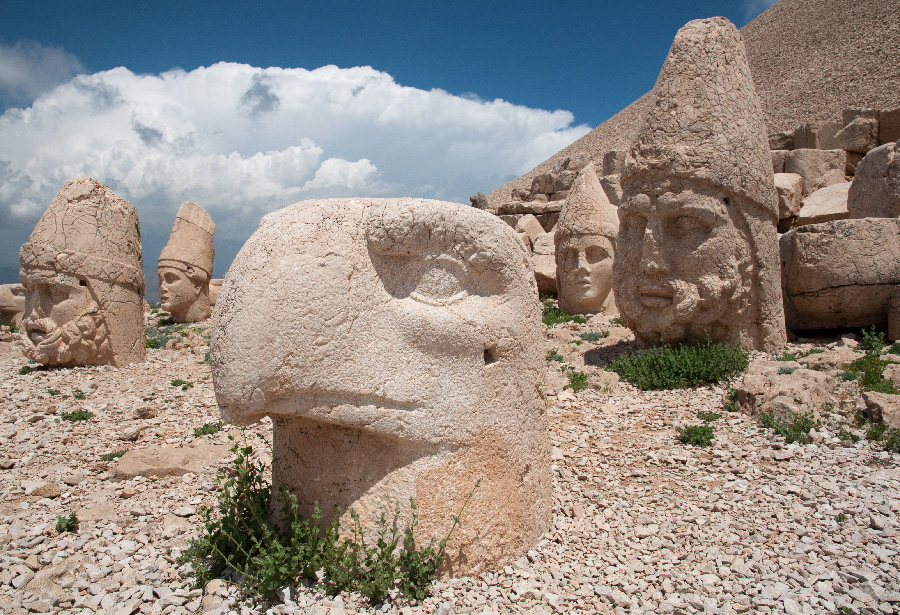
585, 247
406, 363
186, 264
12, 303
82, 272
697, 253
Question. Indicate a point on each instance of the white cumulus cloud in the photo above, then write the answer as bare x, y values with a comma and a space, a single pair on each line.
242, 141
28, 69
752, 8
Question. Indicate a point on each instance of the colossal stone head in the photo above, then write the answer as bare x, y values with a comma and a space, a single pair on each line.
585, 247
396, 344
185, 265
12, 303
81, 269
697, 247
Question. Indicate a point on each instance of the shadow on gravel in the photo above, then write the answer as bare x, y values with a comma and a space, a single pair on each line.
601, 357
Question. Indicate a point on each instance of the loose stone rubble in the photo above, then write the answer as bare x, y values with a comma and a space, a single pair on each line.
641, 523
83, 278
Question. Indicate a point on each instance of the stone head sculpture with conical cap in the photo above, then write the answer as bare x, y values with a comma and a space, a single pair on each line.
697, 246
84, 282
186, 264
585, 247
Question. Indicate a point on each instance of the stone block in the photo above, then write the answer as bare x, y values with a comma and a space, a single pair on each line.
819, 168
824, 205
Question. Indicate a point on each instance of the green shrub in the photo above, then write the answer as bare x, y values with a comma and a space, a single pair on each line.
872, 342
793, 428
894, 349
184, 384
208, 429
53, 392
578, 381
112, 456
554, 356
76, 415
552, 315
11, 324
784, 371
876, 431
594, 336
617, 321
66, 524
848, 376
730, 404
24, 370
870, 369
788, 356
891, 440
708, 417
77, 394
841, 518
681, 366
696, 435
240, 534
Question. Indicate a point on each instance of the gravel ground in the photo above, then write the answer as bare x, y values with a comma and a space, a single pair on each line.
641, 523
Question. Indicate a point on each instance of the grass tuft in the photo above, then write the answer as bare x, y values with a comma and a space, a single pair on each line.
208, 429
66, 524
77, 415
793, 428
112, 456
681, 366
552, 315
696, 435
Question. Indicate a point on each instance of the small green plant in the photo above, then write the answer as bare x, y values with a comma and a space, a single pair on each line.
844, 435
578, 381
552, 315
184, 384
696, 435
870, 371
53, 392
793, 428
872, 342
66, 524
11, 324
24, 370
240, 534
891, 440
846, 610
730, 404
708, 417
76, 415
617, 321
77, 394
576, 342
594, 336
848, 376
876, 431
788, 356
112, 456
208, 429
894, 348
554, 356
784, 371
841, 518
206, 358
681, 366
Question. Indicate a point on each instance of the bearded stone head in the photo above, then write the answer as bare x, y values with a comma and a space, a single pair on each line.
81, 269
396, 344
697, 246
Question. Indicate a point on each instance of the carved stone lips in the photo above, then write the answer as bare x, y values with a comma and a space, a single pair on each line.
656, 296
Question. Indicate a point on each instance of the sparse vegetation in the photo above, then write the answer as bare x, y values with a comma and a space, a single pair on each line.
112, 456
730, 404
66, 524
841, 518
9, 323
76, 415
578, 381
552, 315
785, 371
184, 384
617, 321
594, 336
53, 392
24, 370
77, 394
793, 428
696, 435
554, 356
708, 417
240, 535
869, 370
681, 366
872, 342
208, 429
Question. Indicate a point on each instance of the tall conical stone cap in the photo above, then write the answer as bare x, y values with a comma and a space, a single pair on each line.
706, 123
191, 240
587, 210
88, 231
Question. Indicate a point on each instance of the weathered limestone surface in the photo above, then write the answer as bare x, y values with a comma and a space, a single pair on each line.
215, 285
585, 247
789, 187
840, 274
404, 360
529, 229
860, 135
186, 265
875, 192
824, 205
888, 126
697, 253
12, 303
763, 389
82, 271
883, 408
819, 167
543, 259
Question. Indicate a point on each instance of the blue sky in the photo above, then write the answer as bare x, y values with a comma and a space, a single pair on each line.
228, 104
